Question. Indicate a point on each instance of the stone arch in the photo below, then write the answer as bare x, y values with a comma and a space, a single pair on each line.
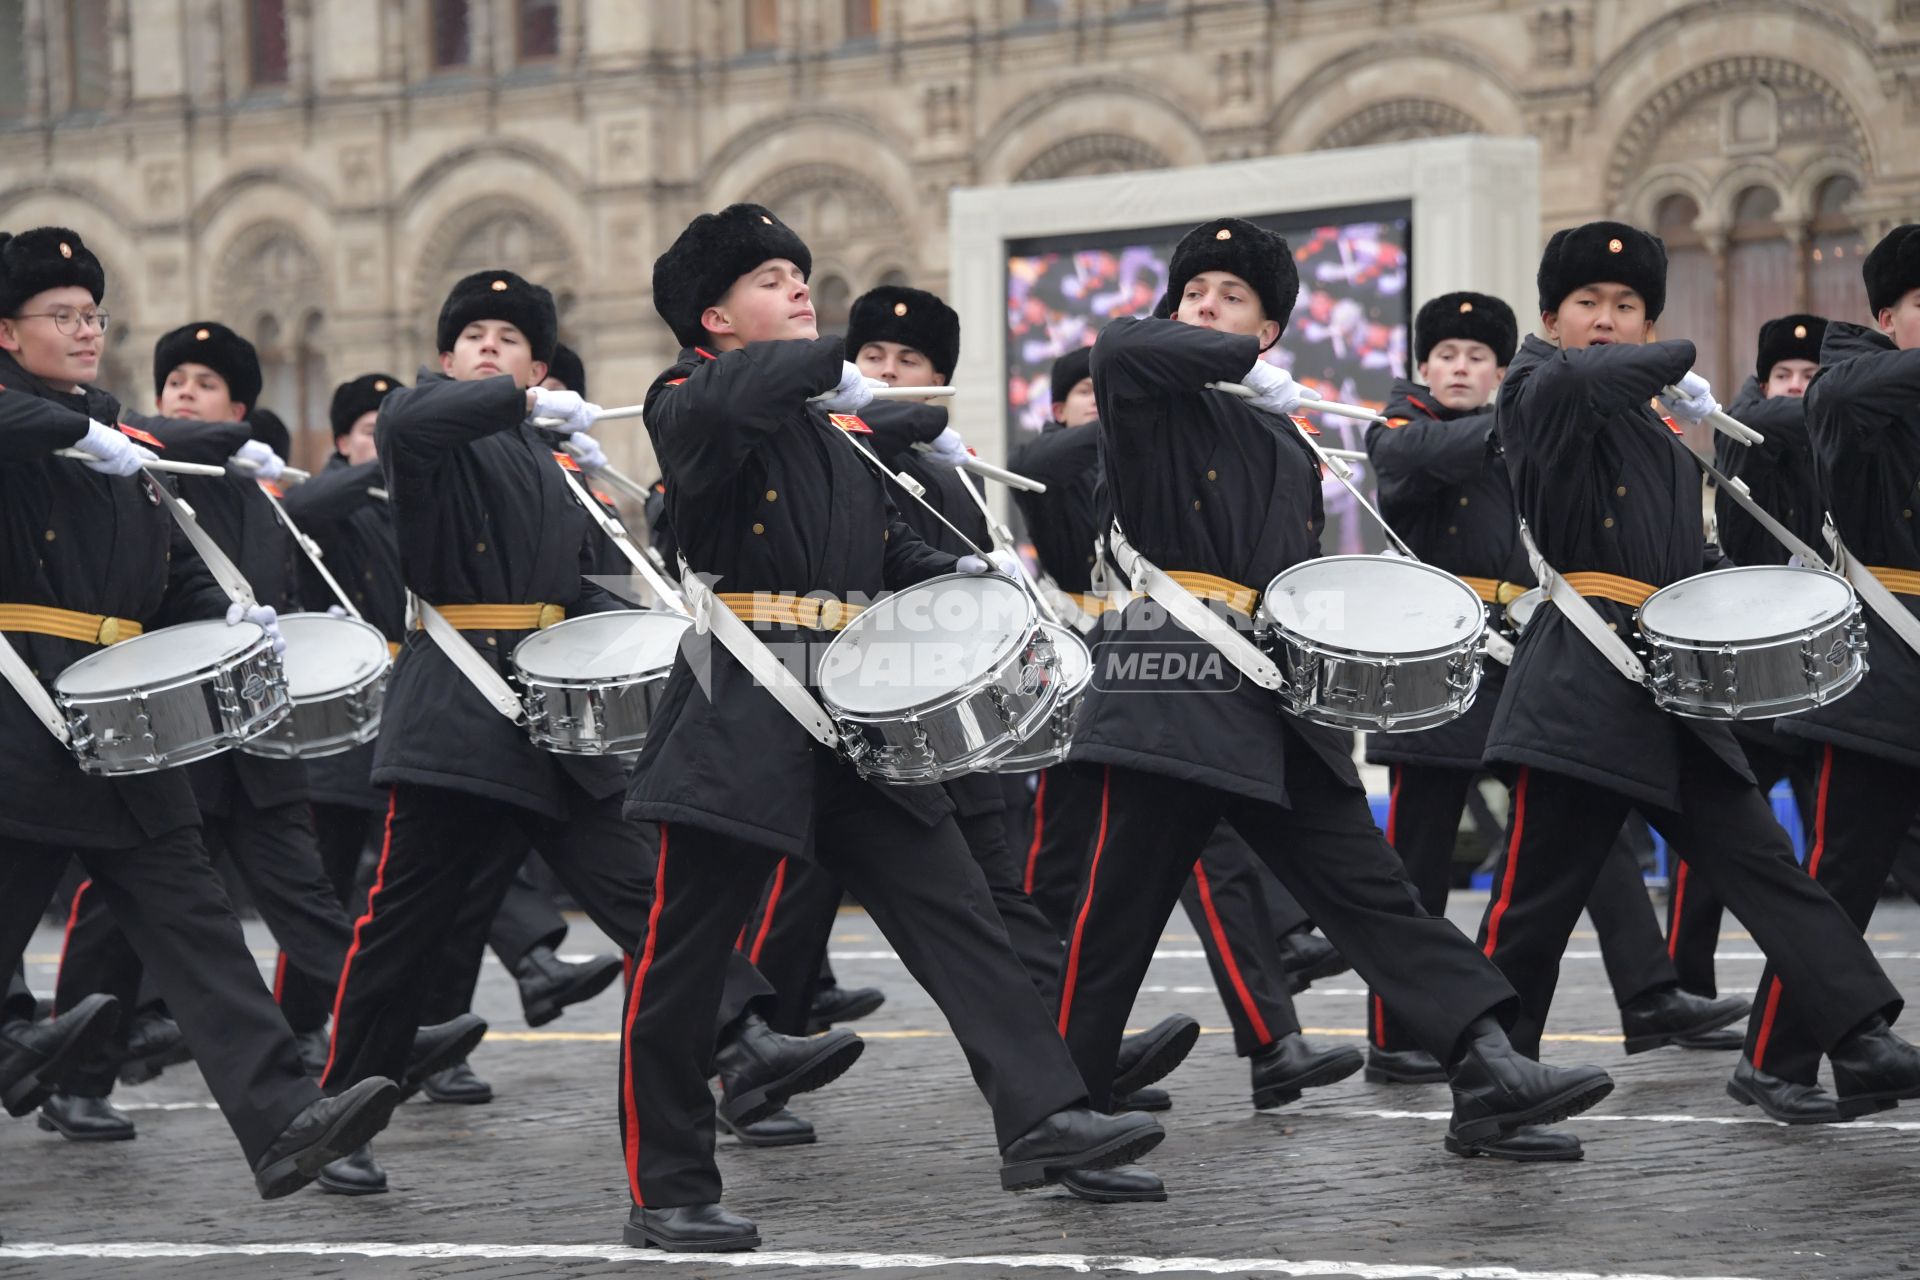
1638, 207
769, 135
1799, 199
1397, 120
1092, 153
1146, 121
242, 187
802, 163
1452, 76
503, 231
848, 220
1753, 171
553, 170
1649, 39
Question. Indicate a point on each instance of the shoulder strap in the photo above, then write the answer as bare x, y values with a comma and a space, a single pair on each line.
1586, 620
737, 638
18, 674
1189, 611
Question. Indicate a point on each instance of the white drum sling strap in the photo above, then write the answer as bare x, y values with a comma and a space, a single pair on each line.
1584, 617
1193, 614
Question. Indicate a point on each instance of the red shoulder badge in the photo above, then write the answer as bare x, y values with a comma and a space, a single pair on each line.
566, 460
1305, 426
674, 382
1398, 422
136, 433
850, 422
1672, 425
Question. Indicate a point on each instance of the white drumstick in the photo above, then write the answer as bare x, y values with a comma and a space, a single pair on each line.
378, 495
605, 415
987, 471
1725, 423
1334, 407
900, 393
152, 464
295, 474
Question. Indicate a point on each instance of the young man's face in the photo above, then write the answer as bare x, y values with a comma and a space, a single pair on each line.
898, 366
65, 360
770, 303
1079, 408
1461, 373
487, 348
357, 445
1596, 315
198, 394
1223, 301
1790, 378
1901, 321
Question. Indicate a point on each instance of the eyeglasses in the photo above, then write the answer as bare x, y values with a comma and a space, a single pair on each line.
71, 322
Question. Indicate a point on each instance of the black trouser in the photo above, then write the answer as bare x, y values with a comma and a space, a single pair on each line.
1693, 911
934, 907
1559, 838
502, 907
786, 937
1284, 911
177, 919
344, 834
1327, 851
1863, 805
1066, 818
1226, 898
19, 1005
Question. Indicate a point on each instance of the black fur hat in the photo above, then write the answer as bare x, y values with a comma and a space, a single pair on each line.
1260, 257
715, 250
911, 317
567, 368
212, 344
1473, 317
501, 295
265, 426
353, 399
1604, 253
1795, 337
1891, 271
1069, 369
42, 259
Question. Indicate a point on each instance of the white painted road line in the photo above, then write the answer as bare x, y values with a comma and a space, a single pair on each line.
1854, 1126
1078, 1263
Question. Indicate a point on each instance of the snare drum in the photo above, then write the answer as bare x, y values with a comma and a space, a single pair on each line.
1753, 642
171, 697
592, 682
1521, 608
1374, 642
943, 678
1048, 744
337, 679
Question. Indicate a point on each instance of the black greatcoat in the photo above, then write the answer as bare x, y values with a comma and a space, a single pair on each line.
763, 498
1863, 415
1201, 482
355, 532
1605, 486
482, 516
1443, 487
1064, 521
1778, 473
74, 539
241, 521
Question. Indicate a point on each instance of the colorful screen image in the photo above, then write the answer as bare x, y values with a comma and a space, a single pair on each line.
1347, 339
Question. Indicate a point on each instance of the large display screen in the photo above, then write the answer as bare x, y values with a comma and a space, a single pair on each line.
1347, 339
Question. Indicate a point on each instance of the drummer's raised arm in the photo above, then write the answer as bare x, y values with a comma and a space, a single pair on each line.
334, 494
1137, 363
418, 424
190, 440
32, 428
710, 411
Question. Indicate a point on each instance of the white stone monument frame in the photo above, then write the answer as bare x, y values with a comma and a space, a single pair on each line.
1475, 225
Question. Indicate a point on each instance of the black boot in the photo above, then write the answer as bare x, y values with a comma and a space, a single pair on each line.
1529, 1144
1147, 1099
1874, 1069
457, 1085
314, 1047
1725, 1040
1076, 1139
1124, 1184
33, 1055
1309, 958
1153, 1054
781, 1129
154, 1043
85, 1119
1290, 1064
1404, 1066
1496, 1089
355, 1174
328, 1129
760, 1068
1662, 1017
693, 1228
438, 1047
1787, 1101
549, 984
833, 1005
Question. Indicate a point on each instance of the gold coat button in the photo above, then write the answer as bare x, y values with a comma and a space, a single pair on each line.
1463, 501
479, 546
1212, 474
1453, 528
758, 527
51, 535
492, 643
773, 495
1607, 523
1620, 491
1196, 504
1613, 626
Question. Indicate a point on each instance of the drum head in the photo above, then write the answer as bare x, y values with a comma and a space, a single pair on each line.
1755, 602
1375, 605
926, 643
1076, 660
1521, 608
158, 658
326, 655
602, 646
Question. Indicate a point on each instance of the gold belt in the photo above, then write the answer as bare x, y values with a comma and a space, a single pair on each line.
68, 624
1235, 596
1902, 582
811, 612
1090, 603
501, 617
1611, 586
1494, 590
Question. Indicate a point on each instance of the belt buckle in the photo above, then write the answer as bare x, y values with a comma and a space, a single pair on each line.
109, 633
549, 615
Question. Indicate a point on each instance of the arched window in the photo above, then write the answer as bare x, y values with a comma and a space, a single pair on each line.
1835, 248
451, 34
89, 55
1761, 275
832, 299
894, 278
267, 42
539, 32
1692, 310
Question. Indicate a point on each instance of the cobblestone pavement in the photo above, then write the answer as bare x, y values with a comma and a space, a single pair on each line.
1678, 1181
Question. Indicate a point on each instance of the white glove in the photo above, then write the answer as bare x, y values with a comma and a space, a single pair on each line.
336, 611
971, 563
947, 448
574, 413
262, 616
855, 391
1278, 393
586, 451
1695, 404
114, 453
267, 465
1007, 562
1001, 562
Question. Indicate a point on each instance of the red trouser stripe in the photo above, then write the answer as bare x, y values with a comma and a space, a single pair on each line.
280, 978
346, 966
1039, 830
1813, 869
1379, 1021
1513, 859
1086, 906
1240, 991
1393, 827
766, 917
66, 939
1679, 905
629, 1095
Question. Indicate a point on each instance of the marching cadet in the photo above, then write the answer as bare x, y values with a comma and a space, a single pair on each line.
1779, 474
1443, 487
1611, 495
104, 566
1223, 492
1863, 422
491, 539
762, 496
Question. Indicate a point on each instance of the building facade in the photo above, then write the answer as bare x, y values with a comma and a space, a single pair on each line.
316, 172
